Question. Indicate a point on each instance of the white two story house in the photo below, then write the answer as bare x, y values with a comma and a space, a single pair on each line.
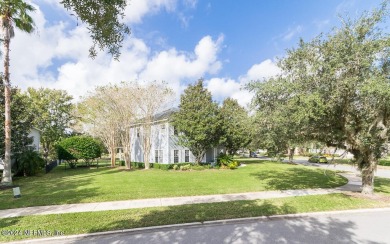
165, 148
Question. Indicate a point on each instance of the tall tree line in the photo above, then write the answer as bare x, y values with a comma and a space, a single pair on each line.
104, 25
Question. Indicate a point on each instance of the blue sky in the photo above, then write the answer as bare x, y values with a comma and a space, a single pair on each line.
228, 43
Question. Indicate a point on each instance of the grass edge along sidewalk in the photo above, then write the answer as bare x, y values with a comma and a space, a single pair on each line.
92, 222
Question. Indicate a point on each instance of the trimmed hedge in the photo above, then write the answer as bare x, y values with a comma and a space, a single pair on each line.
384, 162
140, 165
75, 148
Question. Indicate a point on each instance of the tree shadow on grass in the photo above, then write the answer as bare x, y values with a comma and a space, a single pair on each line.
44, 191
280, 230
299, 178
254, 160
199, 213
382, 185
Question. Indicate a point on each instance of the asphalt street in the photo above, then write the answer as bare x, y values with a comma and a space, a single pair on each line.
385, 173
357, 226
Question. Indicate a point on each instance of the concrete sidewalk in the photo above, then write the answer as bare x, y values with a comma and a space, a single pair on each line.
354, 184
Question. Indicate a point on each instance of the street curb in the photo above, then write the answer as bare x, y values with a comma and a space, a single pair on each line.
205, 224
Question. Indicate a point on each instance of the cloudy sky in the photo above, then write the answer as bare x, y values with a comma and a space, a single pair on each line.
228, 43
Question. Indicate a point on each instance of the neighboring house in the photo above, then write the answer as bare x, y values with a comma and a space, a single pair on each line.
165, 148
36, 136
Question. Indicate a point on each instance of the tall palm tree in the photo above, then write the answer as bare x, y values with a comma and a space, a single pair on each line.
13, 13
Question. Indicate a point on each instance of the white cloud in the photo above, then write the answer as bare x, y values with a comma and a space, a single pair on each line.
190, 3
261, 71
57, 57
173, 66
345, 6
33, 56
321, 24
137, 9
222, 88
292, 32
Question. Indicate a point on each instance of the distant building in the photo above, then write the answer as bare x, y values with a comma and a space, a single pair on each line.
36, 136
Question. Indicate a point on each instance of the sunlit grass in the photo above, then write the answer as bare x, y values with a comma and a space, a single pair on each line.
83, 185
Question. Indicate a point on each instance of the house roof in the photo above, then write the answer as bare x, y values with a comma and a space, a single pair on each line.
159, 117
165, 114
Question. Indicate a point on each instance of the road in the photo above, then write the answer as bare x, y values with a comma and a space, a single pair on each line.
385, 173
358, 226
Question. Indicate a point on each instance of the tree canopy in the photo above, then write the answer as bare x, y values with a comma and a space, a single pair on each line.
235, 126
23, 116
335, 89
103, 19
197, 121
110, 111
77, 148
53, 110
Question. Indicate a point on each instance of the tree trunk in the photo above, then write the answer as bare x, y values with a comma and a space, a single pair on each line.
146, 142
291, 154
113, 155
127, 154
198, 157
368, 169
127, 160
126, 144
7, 177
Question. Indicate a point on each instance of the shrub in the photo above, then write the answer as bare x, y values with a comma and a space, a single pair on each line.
139, 165
183, 164
199, 167
75, 148
175, 167
384, 162
233, 165
224, 159
185, 167
121, 162
163, 166
28, 163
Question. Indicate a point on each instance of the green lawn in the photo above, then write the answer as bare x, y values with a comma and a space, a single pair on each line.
89, 222
382, 185
83, 185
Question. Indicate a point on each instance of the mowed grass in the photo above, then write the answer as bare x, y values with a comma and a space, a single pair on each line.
84, 185
382, 185
89, 222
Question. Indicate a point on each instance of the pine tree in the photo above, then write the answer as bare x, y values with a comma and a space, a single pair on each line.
197, 120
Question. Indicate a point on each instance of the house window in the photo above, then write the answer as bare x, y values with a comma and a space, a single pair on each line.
175, 132
175, 156
158, 156
137, 132
186, 156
